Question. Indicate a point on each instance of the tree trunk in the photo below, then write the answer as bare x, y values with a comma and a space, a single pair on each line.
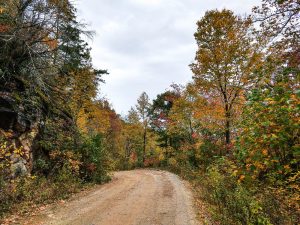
191, 130
227, 131
227, 125
144, 146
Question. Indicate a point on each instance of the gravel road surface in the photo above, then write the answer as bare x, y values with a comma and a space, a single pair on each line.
137, 197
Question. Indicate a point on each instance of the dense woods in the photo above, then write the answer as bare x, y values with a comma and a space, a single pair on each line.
233, 131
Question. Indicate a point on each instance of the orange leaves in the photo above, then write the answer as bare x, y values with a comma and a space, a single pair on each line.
91, 167
241, 178
133, 157
151, 161
265, 152
210, 112
224, 67
51, 43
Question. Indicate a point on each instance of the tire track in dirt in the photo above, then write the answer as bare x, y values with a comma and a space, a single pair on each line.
138, 197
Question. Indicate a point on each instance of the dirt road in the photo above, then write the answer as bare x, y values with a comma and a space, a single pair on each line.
139, 197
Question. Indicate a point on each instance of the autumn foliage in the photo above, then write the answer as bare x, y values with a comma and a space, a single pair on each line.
233, 130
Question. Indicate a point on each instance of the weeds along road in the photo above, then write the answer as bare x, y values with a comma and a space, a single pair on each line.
138, 197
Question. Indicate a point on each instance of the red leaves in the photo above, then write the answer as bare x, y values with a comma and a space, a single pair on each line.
4, 28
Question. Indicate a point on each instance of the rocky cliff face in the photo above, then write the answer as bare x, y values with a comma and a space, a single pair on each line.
18, 131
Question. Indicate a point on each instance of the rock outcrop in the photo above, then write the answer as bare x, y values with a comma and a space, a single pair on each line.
18, 131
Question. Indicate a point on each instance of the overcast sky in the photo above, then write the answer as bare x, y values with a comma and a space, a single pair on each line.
146, 45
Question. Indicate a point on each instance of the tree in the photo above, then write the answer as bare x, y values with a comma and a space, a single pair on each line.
279, 17
279, 25
225, 61
159, 114
133, 139
160, 122
47, 74
270, 127
142, 107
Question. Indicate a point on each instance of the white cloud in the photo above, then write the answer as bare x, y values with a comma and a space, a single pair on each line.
146, 44
147, 3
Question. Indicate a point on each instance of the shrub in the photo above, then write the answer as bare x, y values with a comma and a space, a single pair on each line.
234, 200
23, 192
96, 162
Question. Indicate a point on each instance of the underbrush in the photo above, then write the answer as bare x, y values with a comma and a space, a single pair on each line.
20, 194
55, 175
231, 200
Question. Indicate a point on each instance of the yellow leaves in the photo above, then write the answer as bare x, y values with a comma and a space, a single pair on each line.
295, 177
270, 101
19, 151
94, 118
198, 144
8, 153
3, 145
161, 156
82, 122
1, 10
287, 167
259, 165
74, 165
235, 172
231, 35
274, 136
32, 177
63, 5
9, 150
55, 2
172, 161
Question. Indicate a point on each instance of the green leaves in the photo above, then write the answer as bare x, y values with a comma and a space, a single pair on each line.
272, 116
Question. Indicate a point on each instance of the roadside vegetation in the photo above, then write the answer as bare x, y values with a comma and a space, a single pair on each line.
233, 131
48, 87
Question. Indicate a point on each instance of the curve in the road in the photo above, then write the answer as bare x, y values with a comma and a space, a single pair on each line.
138, 197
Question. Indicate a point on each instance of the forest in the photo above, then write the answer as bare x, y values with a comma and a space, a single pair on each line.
232, 131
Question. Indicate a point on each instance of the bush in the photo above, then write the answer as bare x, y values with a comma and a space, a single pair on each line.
56, 174
235, 200
22, 193
96, 162
234, 203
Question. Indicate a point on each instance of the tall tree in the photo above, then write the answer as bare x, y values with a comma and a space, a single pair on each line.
270, 126
142, 107
225, 61
46, 74
133, 140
